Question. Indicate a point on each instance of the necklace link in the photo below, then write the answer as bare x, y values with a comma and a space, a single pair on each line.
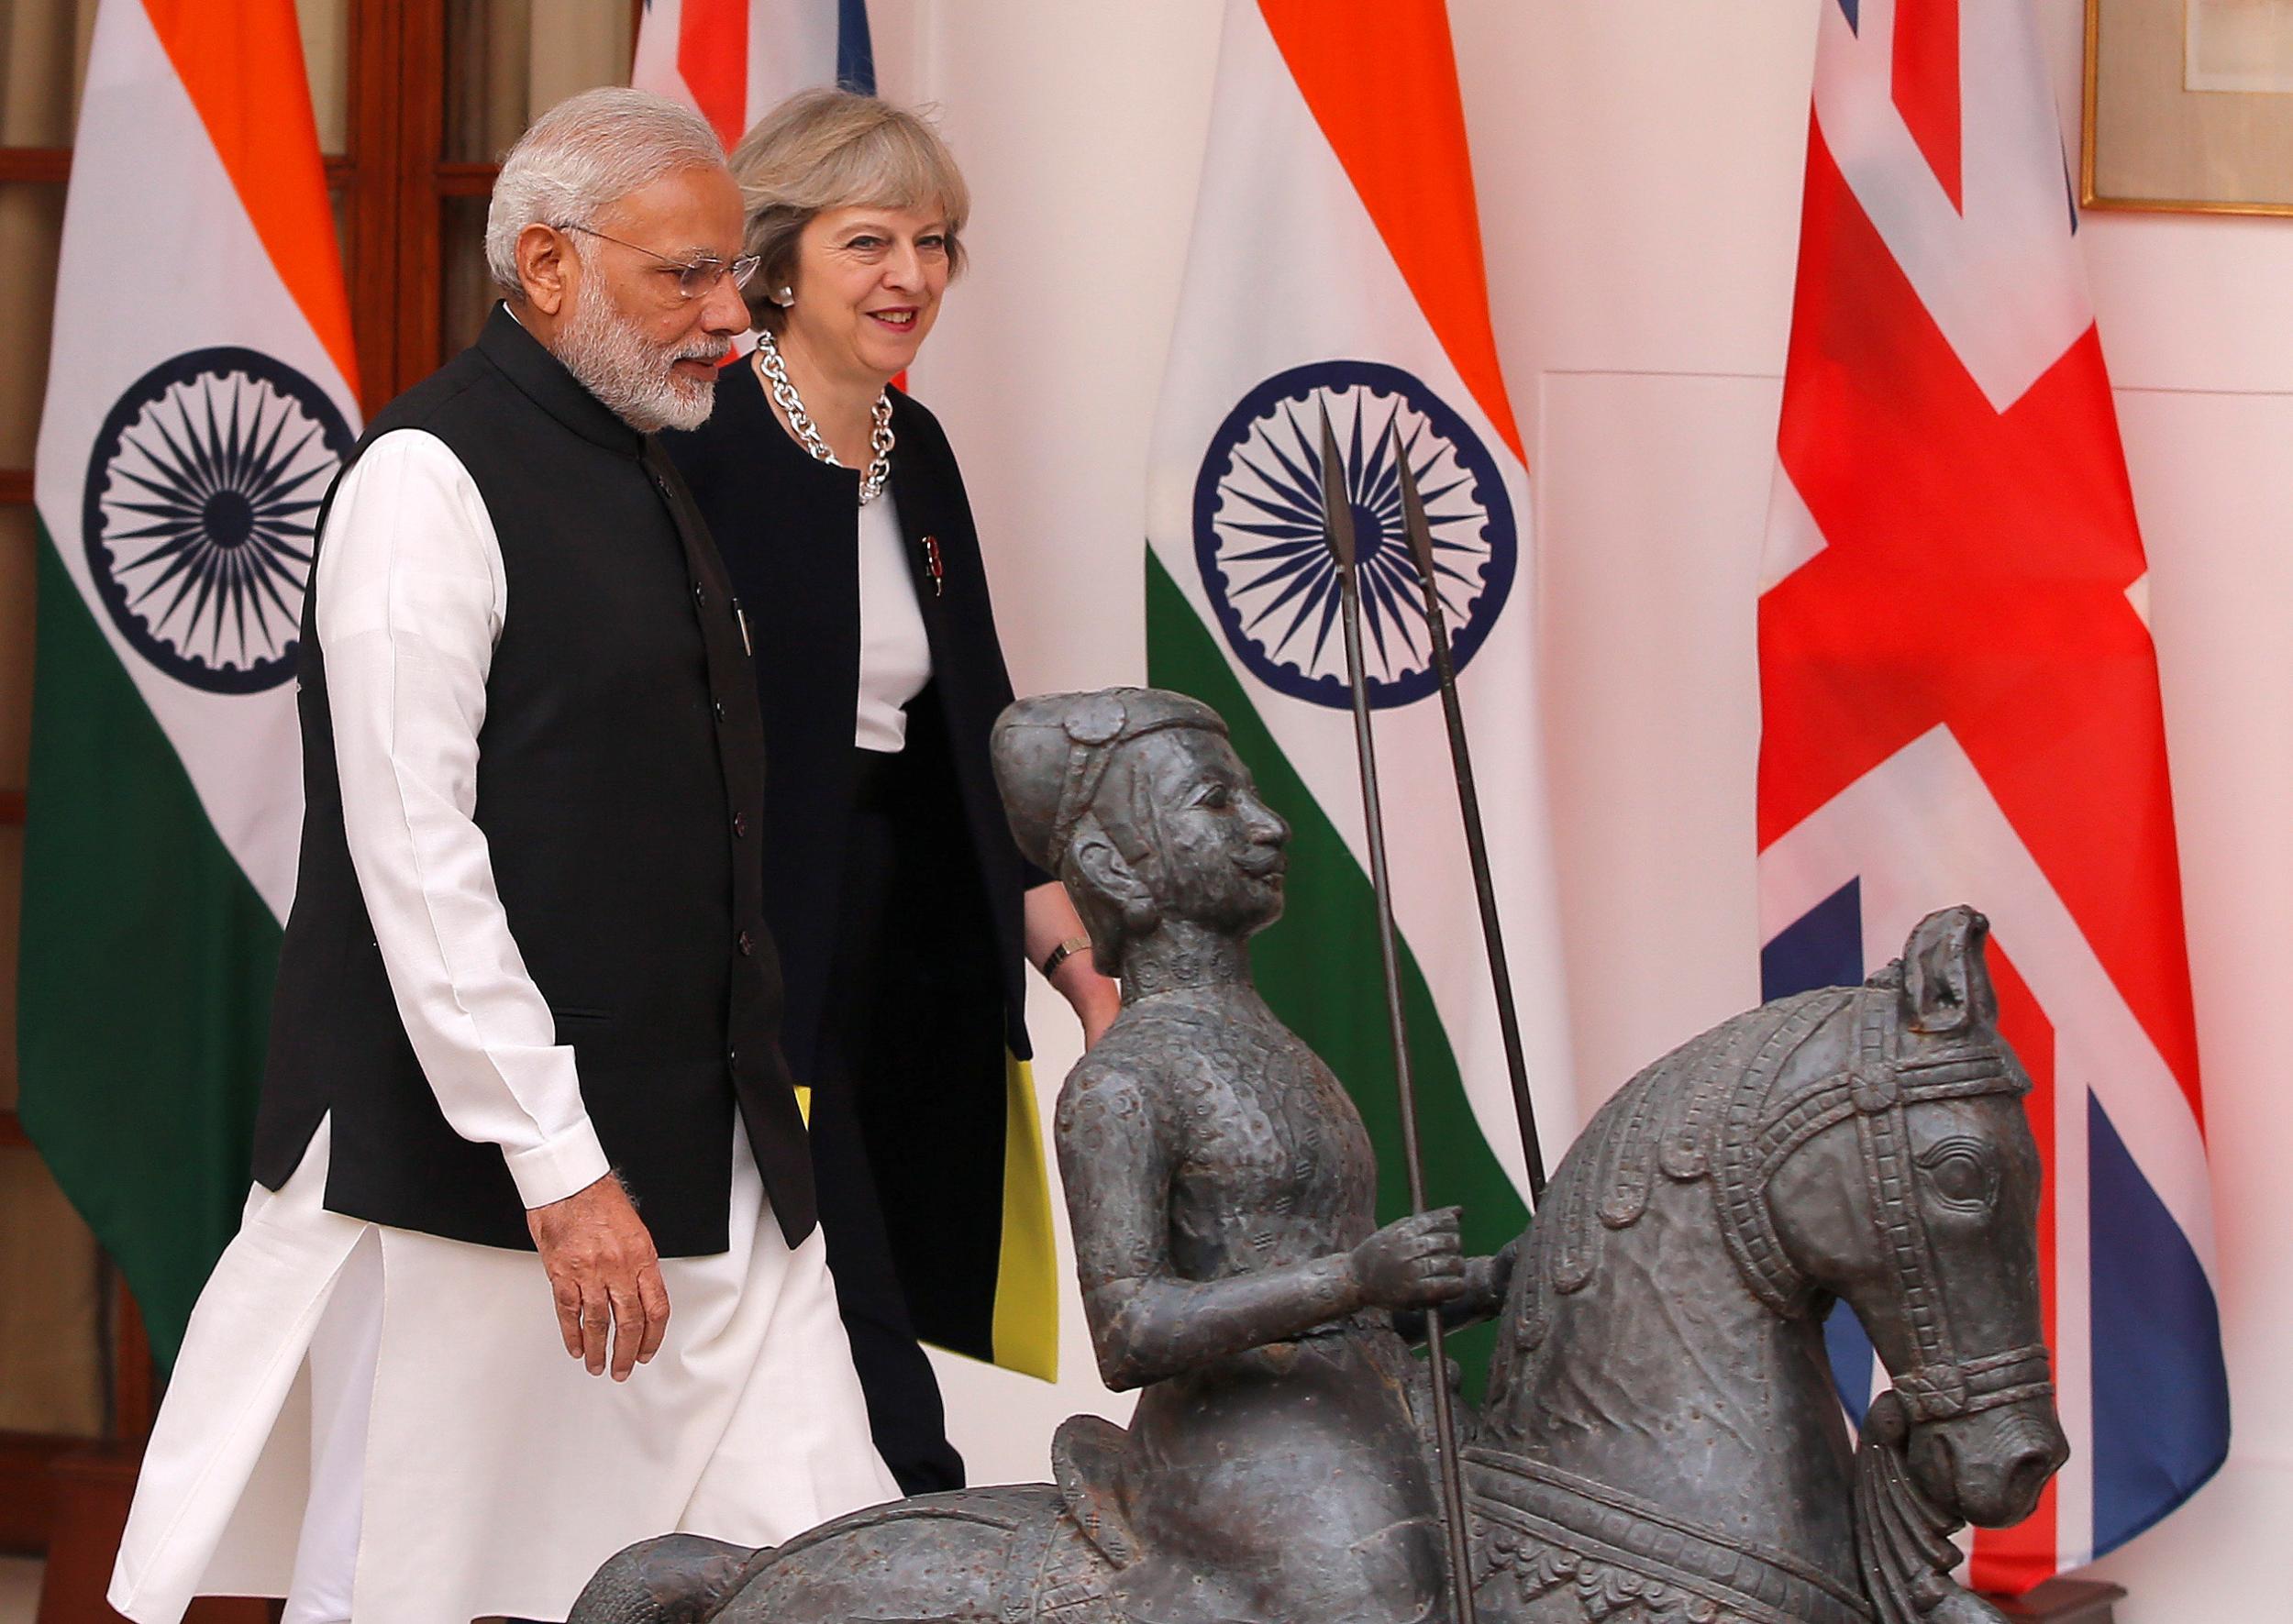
774, 371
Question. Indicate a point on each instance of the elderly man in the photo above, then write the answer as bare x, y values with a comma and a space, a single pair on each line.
525, 1002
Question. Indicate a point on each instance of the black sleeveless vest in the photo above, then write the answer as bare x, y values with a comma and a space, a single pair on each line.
620, 790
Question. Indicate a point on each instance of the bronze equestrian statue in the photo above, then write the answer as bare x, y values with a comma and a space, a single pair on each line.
1662, 1441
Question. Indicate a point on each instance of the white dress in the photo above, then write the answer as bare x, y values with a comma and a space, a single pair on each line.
495, 1474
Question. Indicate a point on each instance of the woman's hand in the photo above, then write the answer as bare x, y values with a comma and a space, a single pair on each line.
1417, 1262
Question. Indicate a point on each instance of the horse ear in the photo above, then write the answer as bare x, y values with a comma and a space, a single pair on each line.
1946, 983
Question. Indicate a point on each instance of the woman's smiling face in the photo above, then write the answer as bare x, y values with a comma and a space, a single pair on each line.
868, 283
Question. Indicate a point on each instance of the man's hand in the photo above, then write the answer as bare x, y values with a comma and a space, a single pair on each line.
604, 1274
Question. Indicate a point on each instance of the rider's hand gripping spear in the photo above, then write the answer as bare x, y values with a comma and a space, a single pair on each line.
1339, 530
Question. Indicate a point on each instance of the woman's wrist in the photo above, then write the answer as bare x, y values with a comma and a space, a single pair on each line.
1053, 961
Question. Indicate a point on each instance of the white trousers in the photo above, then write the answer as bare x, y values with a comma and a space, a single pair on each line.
344, 1352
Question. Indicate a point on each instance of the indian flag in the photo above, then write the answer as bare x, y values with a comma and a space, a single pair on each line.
1336, 263
199, 399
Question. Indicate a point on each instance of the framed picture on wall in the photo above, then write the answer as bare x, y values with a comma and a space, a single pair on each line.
2188, 105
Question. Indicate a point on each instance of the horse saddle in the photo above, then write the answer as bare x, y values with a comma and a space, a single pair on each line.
1148, 1585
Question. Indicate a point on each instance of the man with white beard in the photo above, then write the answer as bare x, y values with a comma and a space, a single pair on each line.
525, 992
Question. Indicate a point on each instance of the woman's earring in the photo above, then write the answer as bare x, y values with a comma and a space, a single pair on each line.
785, 297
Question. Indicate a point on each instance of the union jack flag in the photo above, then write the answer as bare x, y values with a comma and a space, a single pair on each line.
735, 60
1961, 704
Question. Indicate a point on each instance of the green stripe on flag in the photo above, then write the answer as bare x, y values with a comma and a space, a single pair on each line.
144, 991
1318, 967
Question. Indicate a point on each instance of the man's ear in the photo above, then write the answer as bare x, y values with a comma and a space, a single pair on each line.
1109, 873
542, 267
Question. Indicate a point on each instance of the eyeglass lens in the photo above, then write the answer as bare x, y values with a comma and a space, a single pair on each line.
698, 278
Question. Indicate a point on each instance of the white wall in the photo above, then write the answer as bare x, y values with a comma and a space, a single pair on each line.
1639, 167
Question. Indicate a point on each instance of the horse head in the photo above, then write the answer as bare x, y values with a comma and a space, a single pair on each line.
1660, 1410
1901, 1177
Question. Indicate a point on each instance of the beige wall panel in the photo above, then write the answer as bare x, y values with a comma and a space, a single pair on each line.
43, 57
509, 61
327, 57
31, 226
51, 1361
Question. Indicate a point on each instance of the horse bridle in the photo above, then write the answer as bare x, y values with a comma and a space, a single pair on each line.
1755, 1141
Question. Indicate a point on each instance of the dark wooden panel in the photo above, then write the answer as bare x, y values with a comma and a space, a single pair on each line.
15, 485
11, 808
370, 189
420, 144
135, 1379
34, 163
12, 1134
466, 179
28, 1494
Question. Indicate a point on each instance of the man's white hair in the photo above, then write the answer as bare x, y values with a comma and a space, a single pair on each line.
584, 155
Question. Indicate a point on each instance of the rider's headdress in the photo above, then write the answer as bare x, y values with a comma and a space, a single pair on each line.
1052, 751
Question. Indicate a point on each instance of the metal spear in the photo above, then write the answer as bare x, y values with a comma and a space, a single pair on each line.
1337, 515
1421, 549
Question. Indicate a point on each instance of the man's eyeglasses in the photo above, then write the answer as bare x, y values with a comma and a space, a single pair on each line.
695, 277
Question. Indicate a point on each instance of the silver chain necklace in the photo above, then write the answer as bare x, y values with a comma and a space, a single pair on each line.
774, 371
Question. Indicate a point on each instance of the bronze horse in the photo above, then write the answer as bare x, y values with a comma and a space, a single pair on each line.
1661, 1432
1662, 1440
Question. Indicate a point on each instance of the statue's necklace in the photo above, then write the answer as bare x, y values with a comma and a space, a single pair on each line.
774, 371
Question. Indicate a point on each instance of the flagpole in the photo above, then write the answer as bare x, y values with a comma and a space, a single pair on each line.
1469, 806
1338, 522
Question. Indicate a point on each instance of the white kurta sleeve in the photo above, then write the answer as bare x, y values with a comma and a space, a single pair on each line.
412, 596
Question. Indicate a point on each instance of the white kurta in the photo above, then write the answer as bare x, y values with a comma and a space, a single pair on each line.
497, 1474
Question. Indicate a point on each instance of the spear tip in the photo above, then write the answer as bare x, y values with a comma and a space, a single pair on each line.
1338, 509
1413, 513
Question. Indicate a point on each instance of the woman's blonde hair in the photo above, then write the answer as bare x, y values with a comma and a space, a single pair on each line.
832, 148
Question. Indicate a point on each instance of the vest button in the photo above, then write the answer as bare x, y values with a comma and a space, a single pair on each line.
719, 708
746, 943
732, 1057
741, 825
699, 595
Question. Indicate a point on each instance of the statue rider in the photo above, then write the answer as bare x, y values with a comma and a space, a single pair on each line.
1222, 1189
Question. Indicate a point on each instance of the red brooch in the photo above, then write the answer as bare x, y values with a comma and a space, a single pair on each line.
935, 566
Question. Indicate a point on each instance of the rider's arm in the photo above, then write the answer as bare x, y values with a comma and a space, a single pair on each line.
1115, 1157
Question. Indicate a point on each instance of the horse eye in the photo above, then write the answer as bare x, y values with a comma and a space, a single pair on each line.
1960, 1174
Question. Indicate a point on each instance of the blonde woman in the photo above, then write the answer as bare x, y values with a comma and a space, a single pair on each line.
903, 915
